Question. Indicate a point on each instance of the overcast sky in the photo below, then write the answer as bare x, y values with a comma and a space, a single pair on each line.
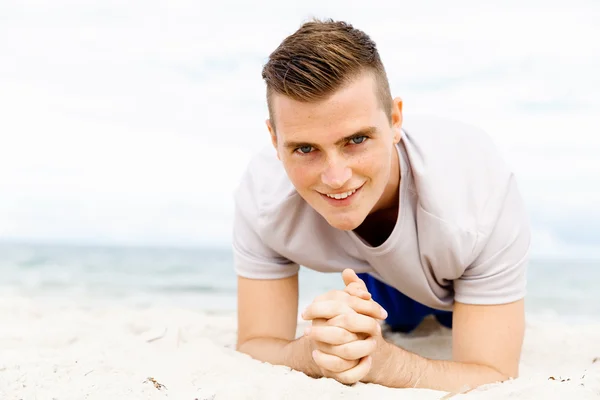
131, 122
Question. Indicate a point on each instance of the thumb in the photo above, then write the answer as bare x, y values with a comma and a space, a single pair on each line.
349, 276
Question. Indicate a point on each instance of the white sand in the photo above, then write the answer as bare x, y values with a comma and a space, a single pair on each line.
53, 352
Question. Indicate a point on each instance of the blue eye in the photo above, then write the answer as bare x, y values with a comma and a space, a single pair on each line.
358, 139
304, 149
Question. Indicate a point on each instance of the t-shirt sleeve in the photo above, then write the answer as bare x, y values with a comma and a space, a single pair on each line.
498, 273
253, 257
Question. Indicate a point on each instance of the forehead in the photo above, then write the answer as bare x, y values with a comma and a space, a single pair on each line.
349, 109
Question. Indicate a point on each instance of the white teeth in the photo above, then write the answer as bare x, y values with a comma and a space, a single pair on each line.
341, 196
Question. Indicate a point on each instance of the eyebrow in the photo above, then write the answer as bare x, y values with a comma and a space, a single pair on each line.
368, 131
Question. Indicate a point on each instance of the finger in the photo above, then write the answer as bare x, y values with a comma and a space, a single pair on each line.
330, 295
332, 363
355, 289
325, 309
338, 294
367, 307
323, 297
330, 334
331, 308
355, 374
319, 321
349, 276
349, 351
356, 323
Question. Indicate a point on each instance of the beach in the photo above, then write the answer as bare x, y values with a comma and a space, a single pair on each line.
82, 350
127, 126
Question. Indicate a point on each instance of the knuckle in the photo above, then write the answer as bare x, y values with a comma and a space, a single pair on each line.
349, 336
344, 319
353, 287
345, 351
371, 345
326, 373
374, 326
331, 363
347, 378
354, 302
317, 322
337, 364
341, 336
331, 295
335, 306
319, 298
337, 295
348, 320
329, 336
323, 347
340, 321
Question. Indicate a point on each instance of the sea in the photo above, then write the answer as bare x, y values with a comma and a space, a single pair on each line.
204, 279
132, 122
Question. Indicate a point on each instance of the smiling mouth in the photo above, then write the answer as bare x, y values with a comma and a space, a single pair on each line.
342, 196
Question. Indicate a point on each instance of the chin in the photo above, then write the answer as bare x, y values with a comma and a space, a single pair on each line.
345, 223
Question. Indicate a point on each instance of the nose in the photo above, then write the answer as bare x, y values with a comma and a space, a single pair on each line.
336, 174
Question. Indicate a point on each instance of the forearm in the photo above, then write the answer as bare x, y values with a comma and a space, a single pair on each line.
295, 354
396, 367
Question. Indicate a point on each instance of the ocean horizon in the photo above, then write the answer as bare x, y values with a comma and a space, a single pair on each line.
204, 278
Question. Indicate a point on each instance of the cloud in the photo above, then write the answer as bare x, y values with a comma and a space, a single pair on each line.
132, 122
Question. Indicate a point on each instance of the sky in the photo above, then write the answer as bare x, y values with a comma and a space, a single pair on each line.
131, 122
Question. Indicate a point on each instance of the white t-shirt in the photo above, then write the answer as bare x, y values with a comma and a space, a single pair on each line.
462, 231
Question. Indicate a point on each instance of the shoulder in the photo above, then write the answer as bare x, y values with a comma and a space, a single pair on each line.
459, 174
261, 193
433, 137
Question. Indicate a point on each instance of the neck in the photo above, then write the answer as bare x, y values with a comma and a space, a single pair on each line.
380, 223
390, 197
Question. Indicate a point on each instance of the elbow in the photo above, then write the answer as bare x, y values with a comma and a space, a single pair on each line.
508, 372
241, 344
495, 374
245, 339
514, 374
245, 344
506, 375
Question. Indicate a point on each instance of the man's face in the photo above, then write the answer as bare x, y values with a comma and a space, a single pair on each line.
340, 153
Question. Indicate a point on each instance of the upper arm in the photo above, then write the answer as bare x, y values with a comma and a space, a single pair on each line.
267, 308
488, 321
497, 274
490, 335
267, 286
267, 281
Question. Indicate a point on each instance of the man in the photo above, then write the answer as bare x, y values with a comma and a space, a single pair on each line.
426, 212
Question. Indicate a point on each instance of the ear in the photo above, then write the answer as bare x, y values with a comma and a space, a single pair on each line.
397, 118
273, 136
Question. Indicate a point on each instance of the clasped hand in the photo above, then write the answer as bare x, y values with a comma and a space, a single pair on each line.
345, 330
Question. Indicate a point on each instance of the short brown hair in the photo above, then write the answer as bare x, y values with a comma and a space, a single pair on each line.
319, 58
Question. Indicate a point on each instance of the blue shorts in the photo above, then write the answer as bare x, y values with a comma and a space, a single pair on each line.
404, 313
